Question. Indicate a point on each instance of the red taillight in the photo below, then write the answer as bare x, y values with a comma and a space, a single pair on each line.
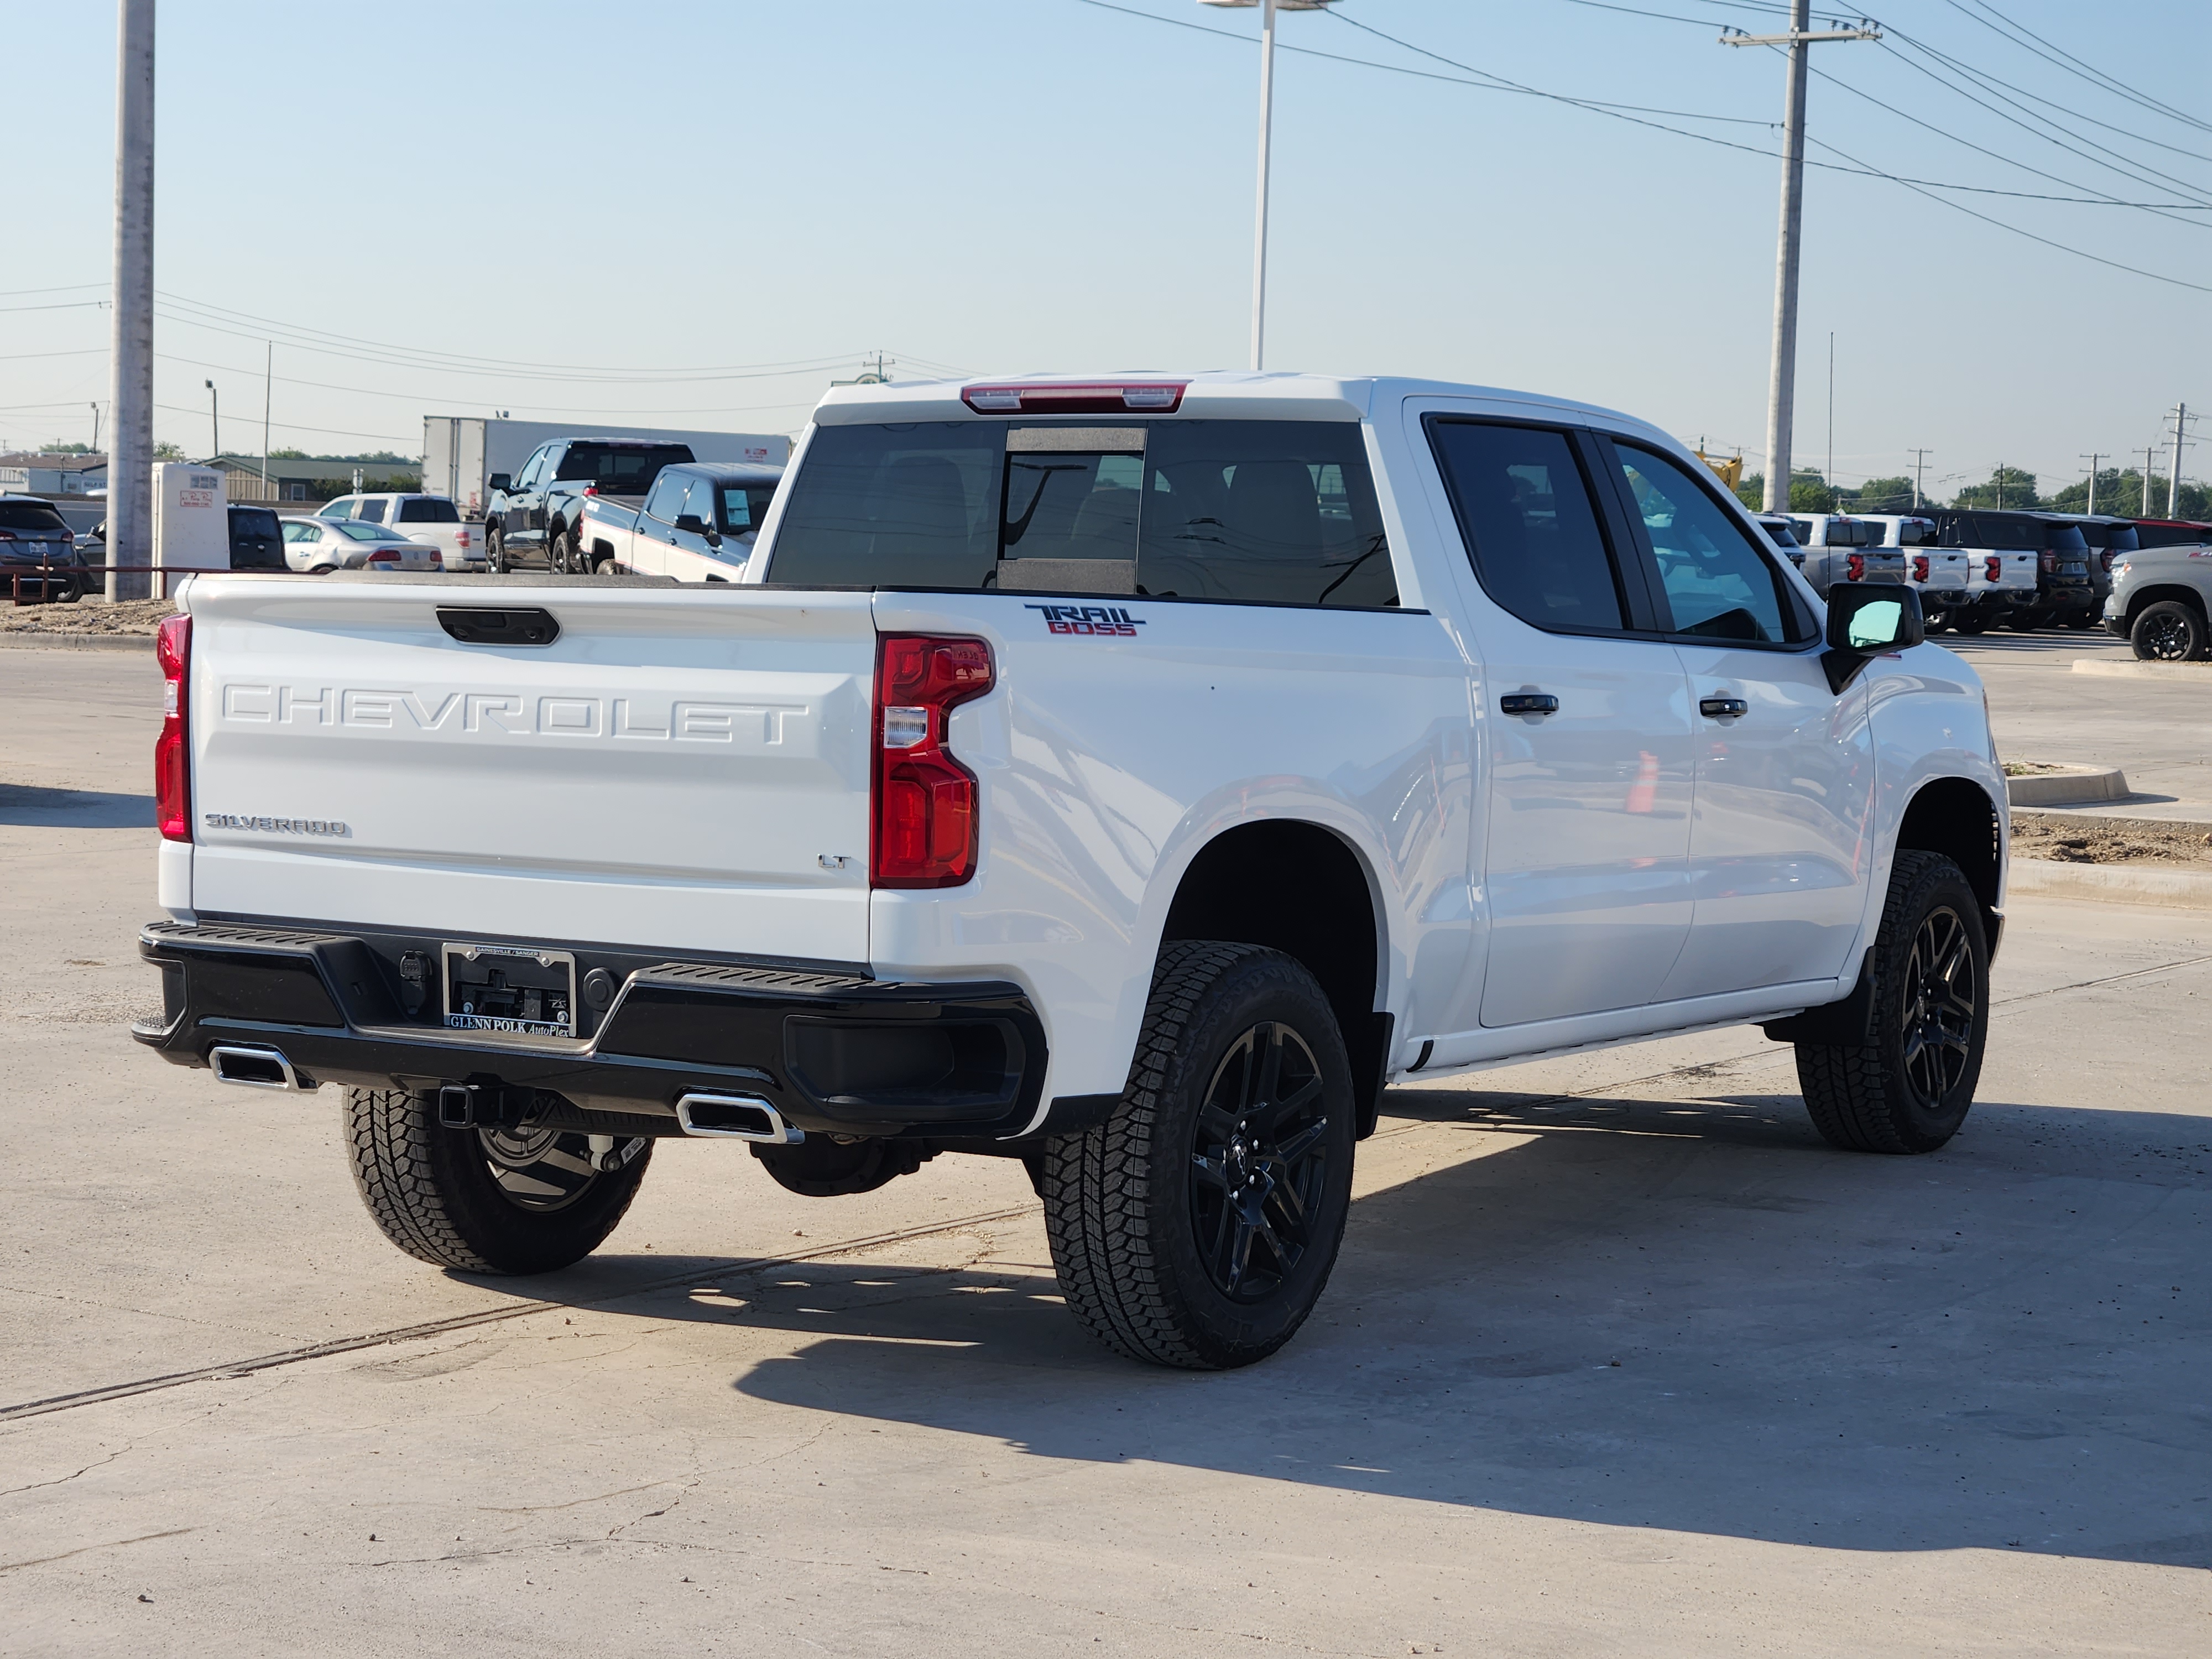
925, 800
1993, 568
1920, 567
1855, 567
2049, 560
1077, 397
173, 792
384, 556
2105, 559
462, 538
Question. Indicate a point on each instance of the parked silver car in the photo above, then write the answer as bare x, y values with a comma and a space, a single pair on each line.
321, 545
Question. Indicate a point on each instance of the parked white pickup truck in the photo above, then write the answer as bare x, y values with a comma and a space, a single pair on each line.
1131, 776
698, 523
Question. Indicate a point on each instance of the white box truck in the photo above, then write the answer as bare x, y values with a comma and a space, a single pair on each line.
459, 452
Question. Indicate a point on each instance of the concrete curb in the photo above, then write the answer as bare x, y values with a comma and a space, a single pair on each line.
2129, 669
2114, 884
2075, 786
11, 640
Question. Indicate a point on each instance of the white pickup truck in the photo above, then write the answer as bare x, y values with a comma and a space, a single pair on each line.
1131, 776
697, 522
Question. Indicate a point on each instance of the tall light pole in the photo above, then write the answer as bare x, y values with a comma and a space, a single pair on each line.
1781, 385
1268, 9
215, 421
2092, 458
131, 352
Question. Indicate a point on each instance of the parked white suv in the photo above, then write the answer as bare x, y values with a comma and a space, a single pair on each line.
1128, 776
432, 519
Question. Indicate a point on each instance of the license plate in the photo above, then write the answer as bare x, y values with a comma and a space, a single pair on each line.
510, 990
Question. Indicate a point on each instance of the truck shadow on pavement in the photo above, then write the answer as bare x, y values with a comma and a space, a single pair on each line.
37, 807
1685, 1314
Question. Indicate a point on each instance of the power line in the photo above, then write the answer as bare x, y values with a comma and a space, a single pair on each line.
2073, 65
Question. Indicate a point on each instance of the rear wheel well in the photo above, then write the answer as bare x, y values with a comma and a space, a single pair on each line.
1956, 818
1298, 888
2139, 601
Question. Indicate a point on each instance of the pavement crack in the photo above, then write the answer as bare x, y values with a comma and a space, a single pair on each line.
86, 1549
63, 1480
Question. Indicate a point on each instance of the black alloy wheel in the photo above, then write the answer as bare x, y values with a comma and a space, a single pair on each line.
1259, 1162
1197, 1224
1940, 1006
1907, 1083
496, 552
2169, 632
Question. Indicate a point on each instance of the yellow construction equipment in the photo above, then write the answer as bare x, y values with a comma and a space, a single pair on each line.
1729, 467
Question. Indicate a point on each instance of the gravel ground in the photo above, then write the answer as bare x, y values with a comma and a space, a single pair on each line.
86, 617
2071, 840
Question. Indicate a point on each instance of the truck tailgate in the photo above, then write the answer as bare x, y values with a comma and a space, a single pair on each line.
680, 769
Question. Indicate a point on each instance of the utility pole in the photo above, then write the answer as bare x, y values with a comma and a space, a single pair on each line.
1828, 476
130, 349
1919, 469
2000, 486
1267, 10
95, 429
1781, 385
2092, 458
214, 417
2173, 478
268, 382
2148, 451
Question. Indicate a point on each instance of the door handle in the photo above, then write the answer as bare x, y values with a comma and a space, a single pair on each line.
1528, 703
1723, 708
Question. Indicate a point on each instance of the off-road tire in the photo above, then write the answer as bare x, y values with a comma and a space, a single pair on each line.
1120, 1202
429, 1190
2168, 631
1864, 1098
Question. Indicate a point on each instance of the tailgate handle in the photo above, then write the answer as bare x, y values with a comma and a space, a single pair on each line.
483, 625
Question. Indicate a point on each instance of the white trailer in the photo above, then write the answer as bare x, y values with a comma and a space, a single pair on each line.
459, 452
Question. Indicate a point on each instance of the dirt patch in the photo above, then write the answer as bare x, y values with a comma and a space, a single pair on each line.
2066, 840
86, 617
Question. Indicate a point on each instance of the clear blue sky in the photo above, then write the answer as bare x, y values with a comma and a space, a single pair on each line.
1005, 185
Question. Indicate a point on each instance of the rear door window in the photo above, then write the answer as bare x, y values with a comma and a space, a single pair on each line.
1717, 583
1525, 511
373, 509
743, 507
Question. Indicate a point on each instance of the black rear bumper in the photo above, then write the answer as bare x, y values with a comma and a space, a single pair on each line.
833, 1052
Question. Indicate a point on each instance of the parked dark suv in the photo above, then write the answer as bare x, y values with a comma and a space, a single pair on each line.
34, 538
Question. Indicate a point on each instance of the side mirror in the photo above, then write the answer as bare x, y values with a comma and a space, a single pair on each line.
690, 524
500, 482
1865, 621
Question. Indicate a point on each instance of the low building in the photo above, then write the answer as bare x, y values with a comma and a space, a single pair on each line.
312, 478
33, 474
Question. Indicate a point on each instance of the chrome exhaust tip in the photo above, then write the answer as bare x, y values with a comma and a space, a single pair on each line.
255, 1068
736, 1117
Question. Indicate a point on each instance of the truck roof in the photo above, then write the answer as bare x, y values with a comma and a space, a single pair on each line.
1216, 394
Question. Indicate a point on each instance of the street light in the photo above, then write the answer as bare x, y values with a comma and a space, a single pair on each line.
1269, 8
215, 419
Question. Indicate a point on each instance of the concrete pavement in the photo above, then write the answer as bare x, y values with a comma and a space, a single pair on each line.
1619, 1357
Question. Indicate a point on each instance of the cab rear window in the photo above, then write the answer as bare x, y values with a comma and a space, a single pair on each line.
427, 509
1265, 512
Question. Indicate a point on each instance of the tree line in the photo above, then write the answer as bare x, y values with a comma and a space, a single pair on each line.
2119, 490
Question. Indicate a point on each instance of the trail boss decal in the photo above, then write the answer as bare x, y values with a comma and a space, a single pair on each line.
1099, 621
